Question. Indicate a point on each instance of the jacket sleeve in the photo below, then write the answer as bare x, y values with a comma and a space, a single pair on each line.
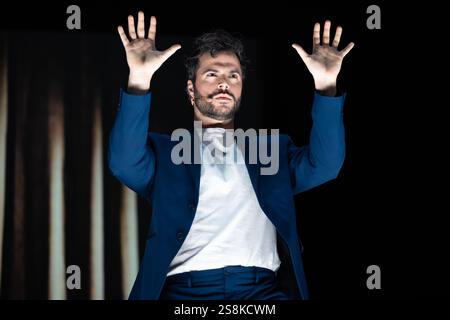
130, 156
322, 159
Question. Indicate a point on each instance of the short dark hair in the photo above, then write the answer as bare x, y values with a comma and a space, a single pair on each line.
214, 42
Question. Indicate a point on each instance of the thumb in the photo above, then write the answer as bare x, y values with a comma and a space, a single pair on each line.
169, 52
347, 49
302, 53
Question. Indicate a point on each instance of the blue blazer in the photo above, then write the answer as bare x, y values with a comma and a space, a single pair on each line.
142, 161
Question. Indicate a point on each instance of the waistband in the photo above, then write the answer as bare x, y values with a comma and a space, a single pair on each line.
246, 274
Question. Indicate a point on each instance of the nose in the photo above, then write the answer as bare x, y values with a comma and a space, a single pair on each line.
223, 85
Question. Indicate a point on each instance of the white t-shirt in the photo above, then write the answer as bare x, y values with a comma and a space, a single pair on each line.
229, 226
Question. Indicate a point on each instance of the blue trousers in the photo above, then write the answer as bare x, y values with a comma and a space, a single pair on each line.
229, 283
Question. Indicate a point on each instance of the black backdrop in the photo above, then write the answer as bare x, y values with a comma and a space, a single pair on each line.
381, 210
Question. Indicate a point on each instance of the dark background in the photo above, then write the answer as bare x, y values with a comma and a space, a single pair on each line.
383, 209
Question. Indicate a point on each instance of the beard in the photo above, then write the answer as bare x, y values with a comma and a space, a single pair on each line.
208, 109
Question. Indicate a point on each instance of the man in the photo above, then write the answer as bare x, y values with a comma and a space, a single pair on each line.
222, 231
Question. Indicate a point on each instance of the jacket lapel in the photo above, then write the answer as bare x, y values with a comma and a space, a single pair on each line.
195, 166
252, 168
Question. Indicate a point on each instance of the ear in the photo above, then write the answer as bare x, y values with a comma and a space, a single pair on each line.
190, 89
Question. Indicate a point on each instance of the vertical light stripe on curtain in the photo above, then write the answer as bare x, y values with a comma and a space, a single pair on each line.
3, 132
129, 239
57, 269
97, 284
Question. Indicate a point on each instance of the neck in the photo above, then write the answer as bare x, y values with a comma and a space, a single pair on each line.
213, 123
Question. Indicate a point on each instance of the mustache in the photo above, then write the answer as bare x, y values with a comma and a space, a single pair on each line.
215, 93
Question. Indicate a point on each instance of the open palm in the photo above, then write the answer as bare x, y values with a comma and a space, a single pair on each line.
325, 61
142, 56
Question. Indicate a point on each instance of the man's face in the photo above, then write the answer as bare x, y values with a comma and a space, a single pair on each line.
218, 86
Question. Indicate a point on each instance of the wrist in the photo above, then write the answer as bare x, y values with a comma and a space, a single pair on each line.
138, 83
326, 88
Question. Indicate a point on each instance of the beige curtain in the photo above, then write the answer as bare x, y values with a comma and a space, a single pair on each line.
57, 270
59, 205
97, 286
3, 132
129, 239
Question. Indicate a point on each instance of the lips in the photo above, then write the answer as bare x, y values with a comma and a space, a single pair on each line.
222, 97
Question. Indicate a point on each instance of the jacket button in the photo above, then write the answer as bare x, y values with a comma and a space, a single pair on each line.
180, 235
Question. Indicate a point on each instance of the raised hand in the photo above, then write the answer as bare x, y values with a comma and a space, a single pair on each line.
325, 61
142, 57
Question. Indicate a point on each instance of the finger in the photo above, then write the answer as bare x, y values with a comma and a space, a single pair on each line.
302, 53
123, 36
152, 29
326, 33
347, 49
337, 37
316, 35
140, 26
131, 29
167, 53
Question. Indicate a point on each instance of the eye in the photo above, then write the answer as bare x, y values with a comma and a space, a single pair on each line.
235, 76
210, 74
